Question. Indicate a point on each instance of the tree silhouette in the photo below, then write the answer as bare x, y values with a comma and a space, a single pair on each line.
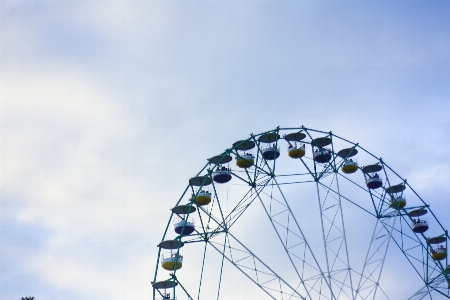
27, 298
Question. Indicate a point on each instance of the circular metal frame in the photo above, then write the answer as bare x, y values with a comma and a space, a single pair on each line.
326, 274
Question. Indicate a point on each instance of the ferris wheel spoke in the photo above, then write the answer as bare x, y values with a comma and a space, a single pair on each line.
418, 255
201, 273
184, 290
260, 165
210, 217
293, 234
439, 285
374, 194
312, 173
221, 268
235, 175
334, 238
289, 231
327, 170
341, 289
227, 222
422, 293
421, 261
375, 258
218, 203
243, 204
382, 291
347, 199
254, 268
292, 254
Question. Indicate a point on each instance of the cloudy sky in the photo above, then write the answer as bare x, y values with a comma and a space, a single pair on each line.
109, 107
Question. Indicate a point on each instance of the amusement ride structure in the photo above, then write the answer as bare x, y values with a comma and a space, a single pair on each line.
311, 198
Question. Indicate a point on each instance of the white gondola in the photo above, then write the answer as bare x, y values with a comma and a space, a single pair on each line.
184, 226
419, 225
373, 180
171, 261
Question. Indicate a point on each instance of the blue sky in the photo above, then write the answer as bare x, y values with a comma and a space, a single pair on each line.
109, 107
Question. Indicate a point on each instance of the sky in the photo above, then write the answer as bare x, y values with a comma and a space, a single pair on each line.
107, 108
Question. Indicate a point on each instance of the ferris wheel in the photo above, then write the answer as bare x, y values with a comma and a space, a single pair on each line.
315, 220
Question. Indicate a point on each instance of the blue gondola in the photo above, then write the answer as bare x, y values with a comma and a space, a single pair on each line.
188, 226
271, 153
322, 155
222, 175
374, 182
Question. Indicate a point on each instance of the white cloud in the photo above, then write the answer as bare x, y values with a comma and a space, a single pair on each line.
64, 145
66, 169
107, 108
83, 273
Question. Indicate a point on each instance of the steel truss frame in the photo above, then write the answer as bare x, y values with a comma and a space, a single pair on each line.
336, 280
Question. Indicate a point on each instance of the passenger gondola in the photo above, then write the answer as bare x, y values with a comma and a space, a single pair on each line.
438, 251
185, 227
322, 155
296, 152
222, 175
419, 225
245, 160
269, 152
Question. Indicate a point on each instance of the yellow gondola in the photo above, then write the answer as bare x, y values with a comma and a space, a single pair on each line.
295, 152
439, 253
202, 198
398, 203
170, 261
245, 161
349, 167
